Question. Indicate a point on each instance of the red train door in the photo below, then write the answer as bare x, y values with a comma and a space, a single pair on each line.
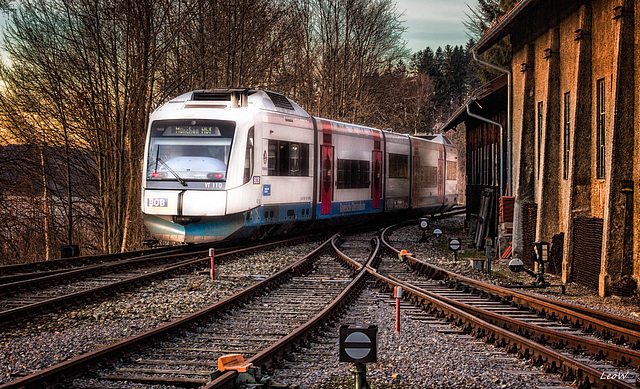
441, 174
326, 180
377, 178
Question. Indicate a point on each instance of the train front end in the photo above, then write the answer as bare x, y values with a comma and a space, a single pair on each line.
199, 155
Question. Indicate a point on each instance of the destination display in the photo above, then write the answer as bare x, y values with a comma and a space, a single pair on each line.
192, 131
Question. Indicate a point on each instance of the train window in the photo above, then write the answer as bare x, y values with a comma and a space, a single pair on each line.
288, 158
452, 170
273, 154
432, 176
189, 150
353, 174
398, 166
248, 157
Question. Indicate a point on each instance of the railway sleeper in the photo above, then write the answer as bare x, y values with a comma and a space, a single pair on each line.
560, 344
585, 383
621, 340
512, 348
567, 374
550, 367
501, 343
524, 354
543, 340
537, 360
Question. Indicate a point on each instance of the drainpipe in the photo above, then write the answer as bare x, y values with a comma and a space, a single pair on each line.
473, 115
509, 82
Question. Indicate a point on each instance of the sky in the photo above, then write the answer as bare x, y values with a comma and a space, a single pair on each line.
434, 23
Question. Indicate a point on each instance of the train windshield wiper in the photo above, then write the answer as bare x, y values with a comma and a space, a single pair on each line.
180, 180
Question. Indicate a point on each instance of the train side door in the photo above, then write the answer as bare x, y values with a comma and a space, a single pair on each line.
441, 174
326, 179
377, 178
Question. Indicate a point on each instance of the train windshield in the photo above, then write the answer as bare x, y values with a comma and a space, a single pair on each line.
189, 150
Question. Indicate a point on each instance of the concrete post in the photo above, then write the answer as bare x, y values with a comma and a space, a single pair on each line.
580, 168
616, 250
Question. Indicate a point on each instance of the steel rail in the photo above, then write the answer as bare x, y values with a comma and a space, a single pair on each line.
103, 268
74, 367
265, 357
14, 313
102, 260
65, 263
552, 359
606, 325
621, 356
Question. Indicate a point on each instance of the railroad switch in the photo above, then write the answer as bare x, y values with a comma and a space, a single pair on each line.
249, 376
235, 362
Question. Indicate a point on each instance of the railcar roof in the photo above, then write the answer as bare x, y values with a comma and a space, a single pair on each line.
237, 98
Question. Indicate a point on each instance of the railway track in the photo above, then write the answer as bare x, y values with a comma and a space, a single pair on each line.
25, 271
579, 344
185, 351
99, 281
267, 321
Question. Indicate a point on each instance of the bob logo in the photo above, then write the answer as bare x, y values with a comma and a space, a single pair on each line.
157, 202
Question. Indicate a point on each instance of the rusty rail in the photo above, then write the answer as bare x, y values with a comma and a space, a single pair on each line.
74, 367
515, 334
608, 326
552, 360
70, 298
290, 341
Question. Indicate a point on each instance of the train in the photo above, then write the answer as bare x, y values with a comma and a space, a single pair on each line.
246, 164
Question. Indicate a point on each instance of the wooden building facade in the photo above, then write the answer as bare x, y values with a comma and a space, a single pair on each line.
484, 151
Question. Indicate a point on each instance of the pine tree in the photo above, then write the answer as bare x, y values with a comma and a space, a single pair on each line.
480, 19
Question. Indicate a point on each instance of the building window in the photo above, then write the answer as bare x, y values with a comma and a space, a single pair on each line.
567, 135
288, 158
353, 174
540, 127
600, 129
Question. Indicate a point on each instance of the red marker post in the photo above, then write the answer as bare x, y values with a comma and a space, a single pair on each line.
397, 293
213, 273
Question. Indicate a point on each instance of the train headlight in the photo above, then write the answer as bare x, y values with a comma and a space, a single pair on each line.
215, 176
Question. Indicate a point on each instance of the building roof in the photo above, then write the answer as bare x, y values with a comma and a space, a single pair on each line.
491, 96
529, 19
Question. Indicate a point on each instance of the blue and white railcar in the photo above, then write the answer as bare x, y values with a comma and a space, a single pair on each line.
247, 163
206, 155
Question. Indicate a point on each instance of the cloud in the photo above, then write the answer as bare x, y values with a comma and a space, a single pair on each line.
433, 23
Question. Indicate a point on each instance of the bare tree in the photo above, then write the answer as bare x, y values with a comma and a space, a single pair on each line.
84, 76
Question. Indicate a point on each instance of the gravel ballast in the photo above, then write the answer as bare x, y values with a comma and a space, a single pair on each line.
30, 346
435, 252
417, 357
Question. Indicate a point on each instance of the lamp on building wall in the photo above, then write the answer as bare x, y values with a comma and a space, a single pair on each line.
579, 34
618, 12
548, 52
523, 67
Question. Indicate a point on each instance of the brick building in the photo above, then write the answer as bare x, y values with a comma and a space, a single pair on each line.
575, 82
